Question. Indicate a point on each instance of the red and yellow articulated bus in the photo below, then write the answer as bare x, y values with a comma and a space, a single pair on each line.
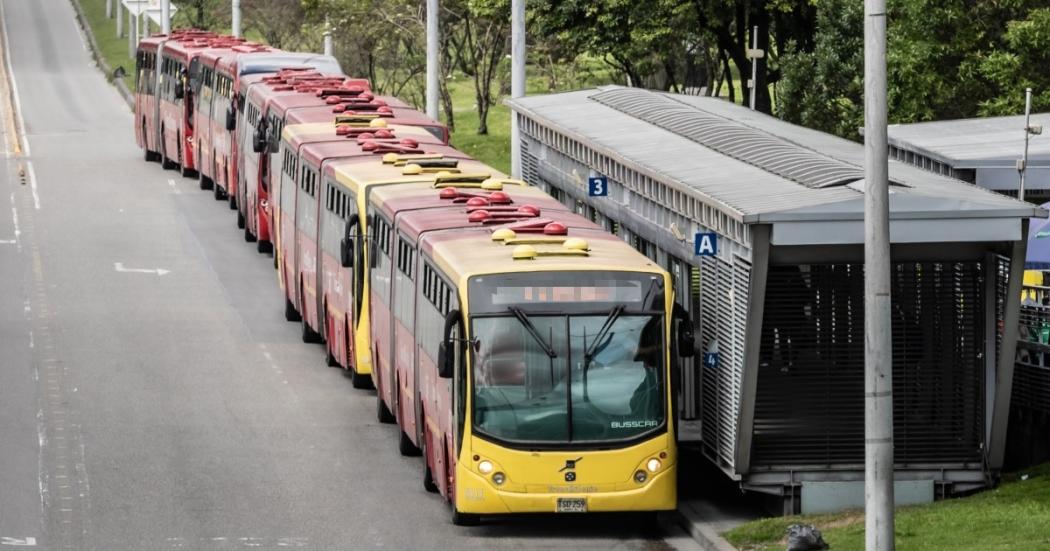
268, 100
163, 100
538, 349
306, 149
392, 367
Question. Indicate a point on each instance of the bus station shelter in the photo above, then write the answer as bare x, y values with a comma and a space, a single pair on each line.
760, 223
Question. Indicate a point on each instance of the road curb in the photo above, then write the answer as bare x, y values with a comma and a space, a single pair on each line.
96, 53
701, 532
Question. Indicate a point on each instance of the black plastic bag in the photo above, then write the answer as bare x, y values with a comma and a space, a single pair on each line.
805, 537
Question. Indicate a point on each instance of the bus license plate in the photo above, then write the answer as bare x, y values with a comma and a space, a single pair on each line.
572, 505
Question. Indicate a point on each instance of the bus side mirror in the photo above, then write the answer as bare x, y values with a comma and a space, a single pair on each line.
259, 140
346, 252
446, 353
684, 332
231, 118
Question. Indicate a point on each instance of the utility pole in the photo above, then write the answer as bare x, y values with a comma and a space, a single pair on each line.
120, 20
754, 54
327, 37
1029, 130
133, 33
878, 344
109, 9
433, 62
165, 16
235, 20
517, 79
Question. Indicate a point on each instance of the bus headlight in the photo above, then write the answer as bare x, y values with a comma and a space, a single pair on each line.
499, 479
653, 465
640, 477
485, 467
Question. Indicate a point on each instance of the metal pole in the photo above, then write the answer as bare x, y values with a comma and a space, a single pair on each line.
120, 20
1027, 132
165, 16
133, 33
235, 21
754, 65
433, 42
878, 346
517, 79
144, 17
327, 37
109, 9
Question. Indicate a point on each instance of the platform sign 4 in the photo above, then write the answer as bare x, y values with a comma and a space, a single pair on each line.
706, 244
710, 360
598, 186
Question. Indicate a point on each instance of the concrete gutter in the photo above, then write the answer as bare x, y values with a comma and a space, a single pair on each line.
96, 53
703, 521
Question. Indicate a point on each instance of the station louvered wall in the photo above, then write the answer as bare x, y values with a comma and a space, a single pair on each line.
809, 409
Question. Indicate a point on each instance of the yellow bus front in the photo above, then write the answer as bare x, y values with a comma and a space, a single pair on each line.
568, 394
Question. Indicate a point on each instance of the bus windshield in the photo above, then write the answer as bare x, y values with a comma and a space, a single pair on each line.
574, 374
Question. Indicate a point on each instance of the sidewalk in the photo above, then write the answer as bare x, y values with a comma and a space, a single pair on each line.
704, 519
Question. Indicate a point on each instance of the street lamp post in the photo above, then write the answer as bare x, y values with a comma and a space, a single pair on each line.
165, 16
433, 43
517, 79
878, 349
235, 20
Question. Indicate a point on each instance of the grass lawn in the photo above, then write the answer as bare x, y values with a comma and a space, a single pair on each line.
113, 49
1016, 515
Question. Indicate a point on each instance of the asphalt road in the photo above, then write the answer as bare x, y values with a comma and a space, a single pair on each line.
141, 410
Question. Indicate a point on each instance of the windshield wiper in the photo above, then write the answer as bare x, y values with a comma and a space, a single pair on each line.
609, 321
527, 323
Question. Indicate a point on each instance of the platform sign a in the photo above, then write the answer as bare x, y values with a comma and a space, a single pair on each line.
598, 186
706, 244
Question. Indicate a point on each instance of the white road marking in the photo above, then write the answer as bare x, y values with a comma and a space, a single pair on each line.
7, 242
23, 542
14, 218
17, 115
119, 266
171, 183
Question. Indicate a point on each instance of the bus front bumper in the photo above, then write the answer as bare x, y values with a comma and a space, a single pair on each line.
477, 495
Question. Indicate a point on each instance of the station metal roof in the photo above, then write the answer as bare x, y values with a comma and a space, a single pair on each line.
755, 167
975, 143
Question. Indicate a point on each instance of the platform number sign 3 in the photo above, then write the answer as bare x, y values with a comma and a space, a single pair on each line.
706, 244
598, 186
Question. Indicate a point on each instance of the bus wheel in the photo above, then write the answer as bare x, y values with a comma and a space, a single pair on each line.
364, 382
404, 443
165, 162
428, 475
248, 235
233, 203
309, 335
383, 414
217, 192
289, 311
205, 182
265, 247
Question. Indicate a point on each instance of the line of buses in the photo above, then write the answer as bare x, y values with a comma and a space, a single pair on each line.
524, 352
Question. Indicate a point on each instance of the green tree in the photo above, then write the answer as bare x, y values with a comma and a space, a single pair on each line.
1021, 63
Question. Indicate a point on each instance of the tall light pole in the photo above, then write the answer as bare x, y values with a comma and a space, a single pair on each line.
327, 37
1029, 131
433, 62
165, 16
235, 20
109, 9
133, 33
517, 79
878, 344
120, 20
754, 54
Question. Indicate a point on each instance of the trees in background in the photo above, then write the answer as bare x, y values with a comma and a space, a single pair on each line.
947, 58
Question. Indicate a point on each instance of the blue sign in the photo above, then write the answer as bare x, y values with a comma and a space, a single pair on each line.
706, 244
710, 360
598, 186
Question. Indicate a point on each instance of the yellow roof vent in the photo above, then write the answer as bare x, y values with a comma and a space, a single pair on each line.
492, 184
377, 123
465, 180
525, 252
576, 244
503, 234
412, 170
402, 159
